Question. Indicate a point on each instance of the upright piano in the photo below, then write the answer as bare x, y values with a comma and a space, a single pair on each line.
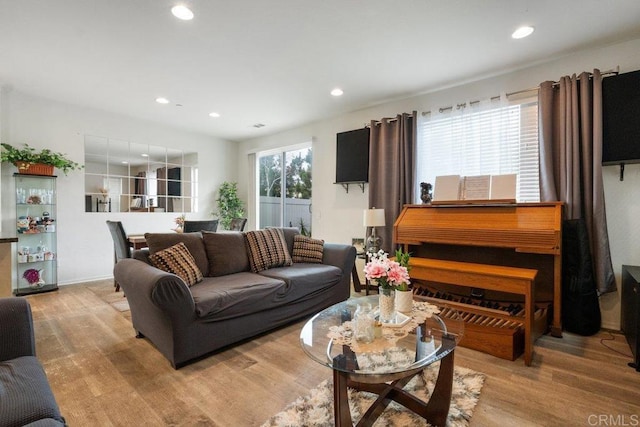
522, 235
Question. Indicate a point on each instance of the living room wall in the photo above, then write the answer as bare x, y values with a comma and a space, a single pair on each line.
337, 216
85, 248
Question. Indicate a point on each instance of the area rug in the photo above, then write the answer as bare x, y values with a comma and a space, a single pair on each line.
316, 409
105, 290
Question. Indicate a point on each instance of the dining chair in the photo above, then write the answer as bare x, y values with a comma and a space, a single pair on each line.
193, 226
121, 247
237, 224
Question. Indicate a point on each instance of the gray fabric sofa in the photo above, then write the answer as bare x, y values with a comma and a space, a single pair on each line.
25, 396
231, 303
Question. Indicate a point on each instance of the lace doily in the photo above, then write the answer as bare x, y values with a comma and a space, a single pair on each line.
344, 334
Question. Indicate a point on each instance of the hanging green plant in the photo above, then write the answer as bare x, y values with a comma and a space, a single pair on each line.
229, 204
25, 158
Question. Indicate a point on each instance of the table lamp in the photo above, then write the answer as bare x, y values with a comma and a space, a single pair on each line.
373, 218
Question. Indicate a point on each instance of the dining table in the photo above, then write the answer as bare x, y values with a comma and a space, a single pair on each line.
137, 241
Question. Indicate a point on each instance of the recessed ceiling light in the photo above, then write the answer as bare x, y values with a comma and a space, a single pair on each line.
162, 100
522, 32
214, 114
182, 12
124, 162
337, 92
144, 155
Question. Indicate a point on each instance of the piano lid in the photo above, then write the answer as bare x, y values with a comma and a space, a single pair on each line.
525, 227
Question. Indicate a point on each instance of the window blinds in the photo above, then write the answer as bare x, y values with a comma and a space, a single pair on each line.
482, 140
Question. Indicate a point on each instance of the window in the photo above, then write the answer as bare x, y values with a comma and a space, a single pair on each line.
494, 139
293, 181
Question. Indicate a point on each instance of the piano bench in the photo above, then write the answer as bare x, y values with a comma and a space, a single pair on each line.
520, 281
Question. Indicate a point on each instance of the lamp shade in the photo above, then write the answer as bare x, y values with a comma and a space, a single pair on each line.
373, 217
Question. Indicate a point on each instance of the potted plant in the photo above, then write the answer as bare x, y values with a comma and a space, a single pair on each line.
30, 161
389, 275
404, 295
229, 204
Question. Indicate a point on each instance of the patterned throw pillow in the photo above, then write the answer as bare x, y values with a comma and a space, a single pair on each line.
267, 249
178, 260
306, 249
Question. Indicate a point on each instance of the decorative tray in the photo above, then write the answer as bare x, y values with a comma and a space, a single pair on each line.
400, 320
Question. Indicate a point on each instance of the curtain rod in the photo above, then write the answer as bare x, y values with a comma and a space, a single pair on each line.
390, 119
532, 89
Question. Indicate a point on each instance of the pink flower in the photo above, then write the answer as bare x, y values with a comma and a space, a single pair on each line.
388, 273
375, 270
397, 274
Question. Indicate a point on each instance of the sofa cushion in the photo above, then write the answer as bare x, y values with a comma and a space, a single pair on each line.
306, 249
227, 252
25, 395
235, 295
193, 242
289, 233
267, 249
304, 278
177, 260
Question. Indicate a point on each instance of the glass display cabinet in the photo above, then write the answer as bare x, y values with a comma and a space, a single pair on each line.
36, 231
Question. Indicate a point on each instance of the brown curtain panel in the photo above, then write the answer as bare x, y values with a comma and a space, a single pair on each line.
141, 188
571, 160
161, 190
391, 166
140, 183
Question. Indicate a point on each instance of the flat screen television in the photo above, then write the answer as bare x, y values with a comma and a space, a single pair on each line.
173, 185
621, 119
352, 156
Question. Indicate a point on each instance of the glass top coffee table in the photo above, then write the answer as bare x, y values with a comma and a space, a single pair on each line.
385, 365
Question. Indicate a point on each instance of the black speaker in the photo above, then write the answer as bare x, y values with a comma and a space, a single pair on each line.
630, 313
621, 119
580, 305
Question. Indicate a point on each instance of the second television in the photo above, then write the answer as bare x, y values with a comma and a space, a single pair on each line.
352, 156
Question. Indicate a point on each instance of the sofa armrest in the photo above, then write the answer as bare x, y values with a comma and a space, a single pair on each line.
16, 329
339, 255
145, 285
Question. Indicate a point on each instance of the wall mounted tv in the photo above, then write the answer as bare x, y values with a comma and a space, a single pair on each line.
621, 119
352, 156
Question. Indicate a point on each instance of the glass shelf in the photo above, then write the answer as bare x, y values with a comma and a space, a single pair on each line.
37, 253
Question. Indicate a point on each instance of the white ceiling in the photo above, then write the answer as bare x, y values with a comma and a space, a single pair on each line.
275, 61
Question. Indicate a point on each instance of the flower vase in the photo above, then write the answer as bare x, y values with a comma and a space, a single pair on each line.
364, 323
404, 301
387, 305
41, 281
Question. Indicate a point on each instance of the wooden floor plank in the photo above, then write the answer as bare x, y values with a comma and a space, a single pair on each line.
102, 375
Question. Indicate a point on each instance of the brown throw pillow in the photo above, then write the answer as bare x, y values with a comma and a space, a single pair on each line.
226, 251
178, 260
267, 249
306, 249
193, 242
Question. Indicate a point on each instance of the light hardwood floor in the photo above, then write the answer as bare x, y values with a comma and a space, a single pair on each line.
103, 376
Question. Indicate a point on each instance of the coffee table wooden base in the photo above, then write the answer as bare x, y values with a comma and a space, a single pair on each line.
435, 411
